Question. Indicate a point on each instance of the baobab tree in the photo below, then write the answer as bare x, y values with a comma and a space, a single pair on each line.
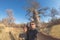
33, 12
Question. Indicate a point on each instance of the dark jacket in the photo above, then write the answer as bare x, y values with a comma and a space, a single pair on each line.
23, 35
32, 34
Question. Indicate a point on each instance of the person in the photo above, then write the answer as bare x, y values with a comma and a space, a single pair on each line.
32, 33
24, 34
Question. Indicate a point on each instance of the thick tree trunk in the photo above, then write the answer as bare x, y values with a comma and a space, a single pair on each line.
36, 19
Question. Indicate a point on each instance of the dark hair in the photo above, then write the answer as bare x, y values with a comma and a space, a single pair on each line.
32, 22
24, 26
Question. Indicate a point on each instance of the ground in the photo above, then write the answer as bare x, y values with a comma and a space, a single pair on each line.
55, 31
4, 32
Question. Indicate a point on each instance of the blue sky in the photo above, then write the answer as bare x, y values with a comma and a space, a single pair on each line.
19, 12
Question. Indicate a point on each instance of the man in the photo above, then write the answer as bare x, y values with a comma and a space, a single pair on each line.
32, 33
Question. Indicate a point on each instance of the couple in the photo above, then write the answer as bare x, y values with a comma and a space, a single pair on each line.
31, 32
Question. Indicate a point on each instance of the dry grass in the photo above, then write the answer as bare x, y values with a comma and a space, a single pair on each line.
55, 31
4, 32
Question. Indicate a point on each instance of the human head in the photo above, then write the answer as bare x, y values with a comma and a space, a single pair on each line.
25, 28
33, 25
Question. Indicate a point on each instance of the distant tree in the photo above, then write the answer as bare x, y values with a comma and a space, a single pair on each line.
9, 20
54, 12
54, 19
10, 16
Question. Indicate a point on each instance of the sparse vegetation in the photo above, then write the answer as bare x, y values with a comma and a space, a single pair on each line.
34, 13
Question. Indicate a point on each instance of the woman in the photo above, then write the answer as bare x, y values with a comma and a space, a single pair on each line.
24, 34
